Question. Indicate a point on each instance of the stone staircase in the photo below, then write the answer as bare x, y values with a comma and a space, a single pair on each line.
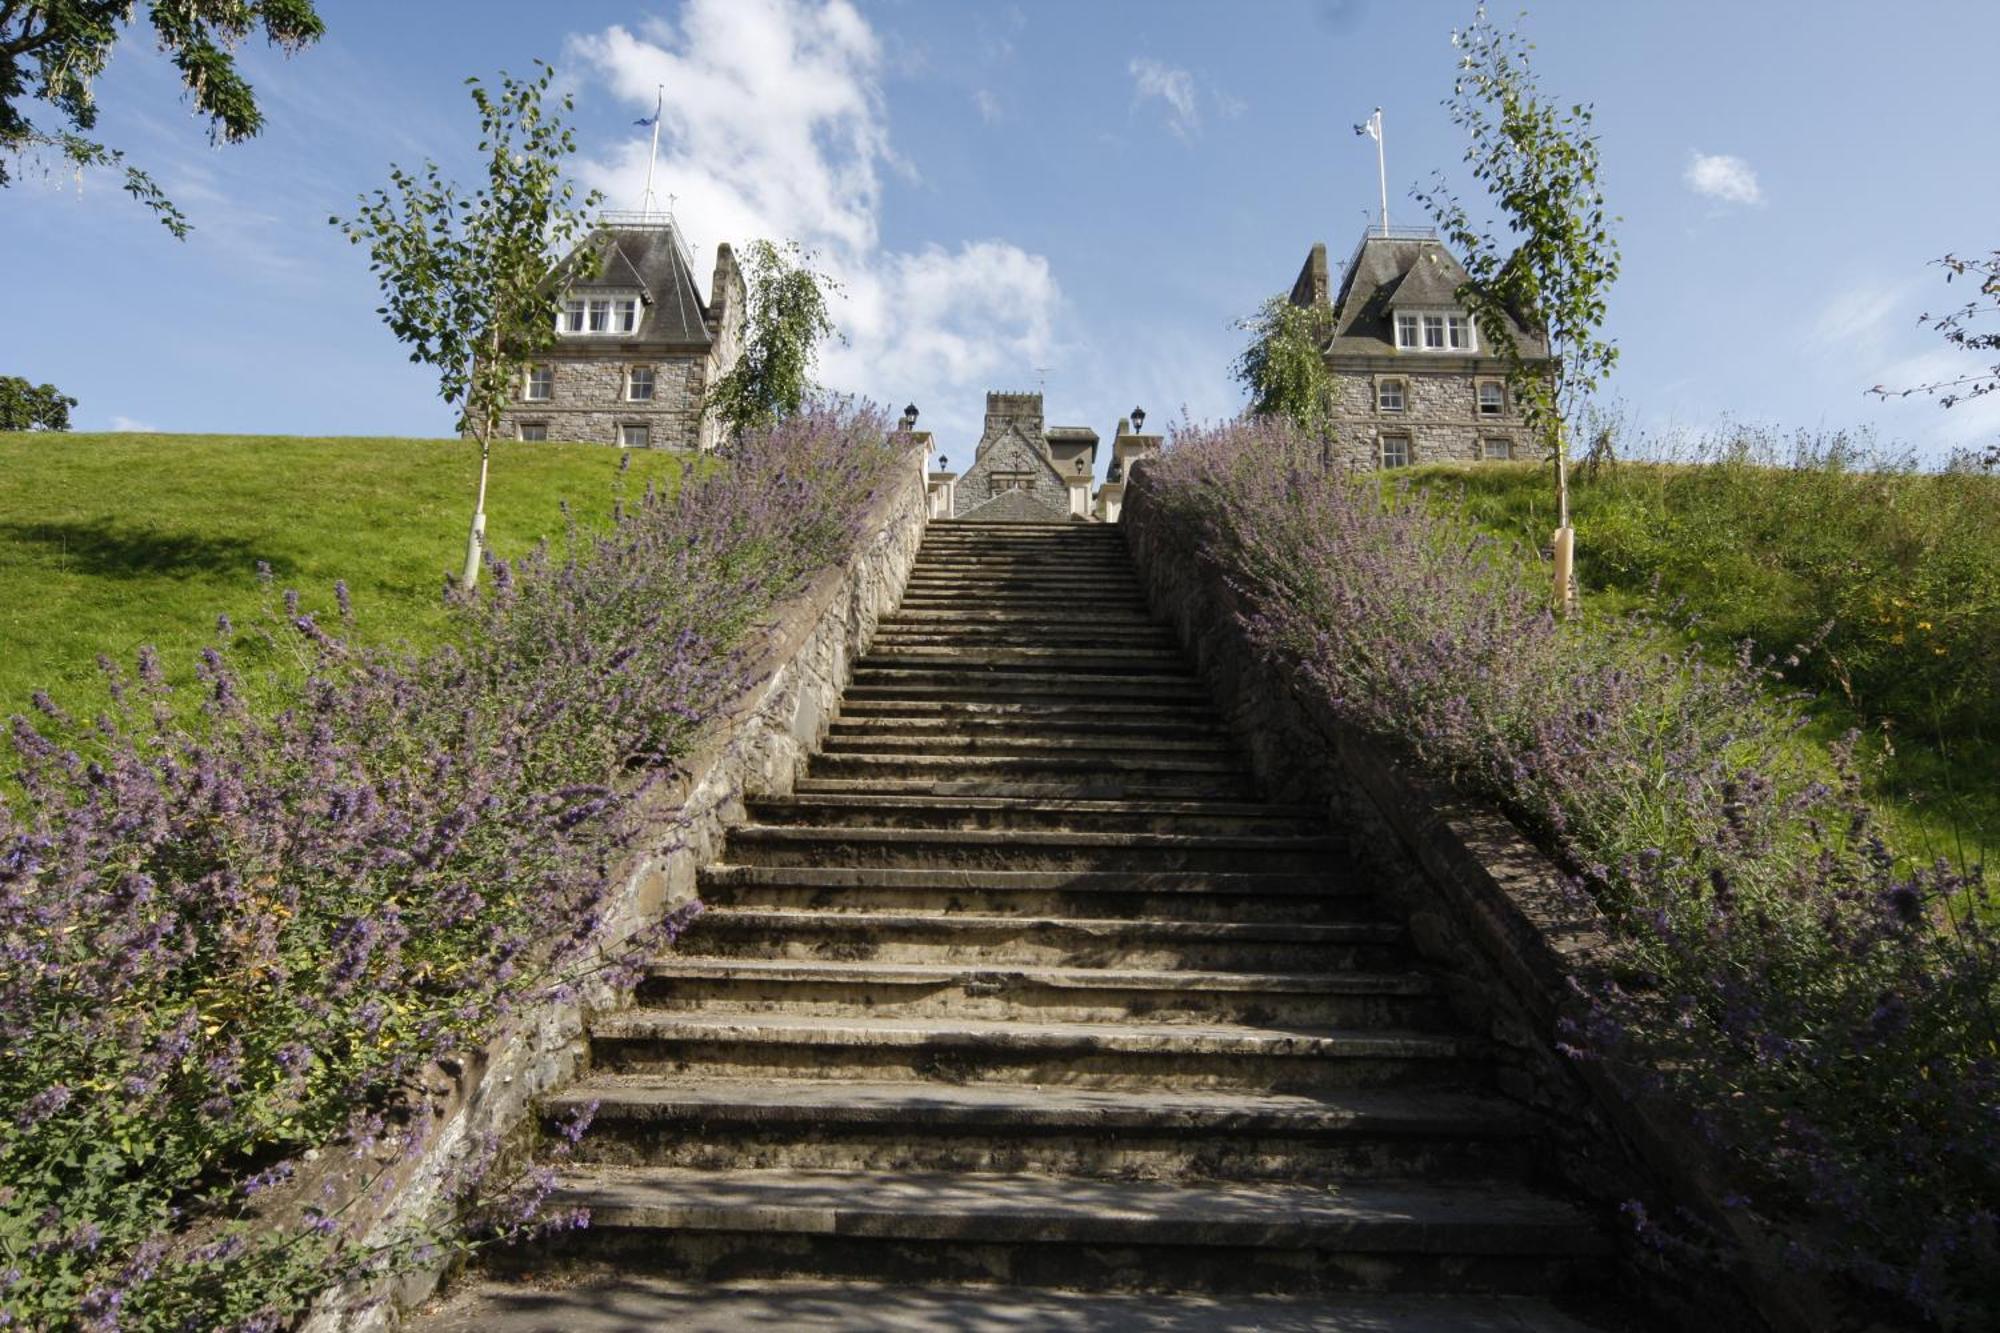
1027, 986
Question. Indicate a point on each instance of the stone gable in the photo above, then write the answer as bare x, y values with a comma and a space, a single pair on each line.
1011, 461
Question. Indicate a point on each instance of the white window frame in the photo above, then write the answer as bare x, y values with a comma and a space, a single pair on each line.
545, 376
645, 435
1434, 324
632, 374
1409, 331
1505, 442
522, 429
1479, 398
599, 315
1460, 334
1402, 388
1408, 448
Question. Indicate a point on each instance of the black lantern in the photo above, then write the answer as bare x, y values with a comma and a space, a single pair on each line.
1138, 419
910, 417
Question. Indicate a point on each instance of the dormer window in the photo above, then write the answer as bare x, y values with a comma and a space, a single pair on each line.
601, 315
1434, 331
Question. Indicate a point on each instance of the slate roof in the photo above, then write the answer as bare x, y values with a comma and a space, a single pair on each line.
652, 260
1391, 271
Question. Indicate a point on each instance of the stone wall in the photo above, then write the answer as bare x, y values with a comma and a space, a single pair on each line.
758, 746
1440, 416
587, 399
1506, 933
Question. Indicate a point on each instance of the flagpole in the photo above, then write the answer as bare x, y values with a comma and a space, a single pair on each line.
1381, 169
646, 202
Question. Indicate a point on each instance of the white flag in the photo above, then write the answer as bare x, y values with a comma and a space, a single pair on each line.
1372, 127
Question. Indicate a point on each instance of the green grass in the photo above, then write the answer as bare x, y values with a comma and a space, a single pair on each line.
1759, 544
108, 542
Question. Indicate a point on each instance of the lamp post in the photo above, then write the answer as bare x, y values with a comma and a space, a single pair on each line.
1138, 419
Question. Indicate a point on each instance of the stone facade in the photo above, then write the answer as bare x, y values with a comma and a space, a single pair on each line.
584, 387
1014, 476
1413, 381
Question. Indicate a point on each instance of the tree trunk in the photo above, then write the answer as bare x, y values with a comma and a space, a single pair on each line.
475, 540
1565, 597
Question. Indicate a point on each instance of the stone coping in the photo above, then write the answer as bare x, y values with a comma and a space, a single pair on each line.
799, 661
1480, 897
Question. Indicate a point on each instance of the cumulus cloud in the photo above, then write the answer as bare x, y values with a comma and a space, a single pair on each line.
1722, 177
1172, 87
774, 126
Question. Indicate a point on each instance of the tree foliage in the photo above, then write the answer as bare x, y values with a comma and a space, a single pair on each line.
1959, 328
25, 406
52, 51
467, 277
1551, 257
1284, 367
786, 320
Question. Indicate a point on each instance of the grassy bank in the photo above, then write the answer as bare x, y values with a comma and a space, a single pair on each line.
1894, 575
111, 541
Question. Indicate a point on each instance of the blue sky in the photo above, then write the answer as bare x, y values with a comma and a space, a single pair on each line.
1083, 196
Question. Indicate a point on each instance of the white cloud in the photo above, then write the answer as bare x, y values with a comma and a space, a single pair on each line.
1857, 318
775, 127
128, 423
990, 110
1172, 86
1722, 177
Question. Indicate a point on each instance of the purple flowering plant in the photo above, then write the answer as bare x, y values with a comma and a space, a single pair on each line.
233, 935
1829, 1014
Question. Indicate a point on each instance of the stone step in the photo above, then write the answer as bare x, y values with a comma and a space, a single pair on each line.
1400, 999
1055, 617
1027, 849
1057, 1232
1084, 725
1021, 741
1087, 894
720, 1042
1104, 775
869, 810
626, 1304
1115, 659
1091, 1135
992, 938
895, 637
1040, 712
1022, 600
874, 680
1129, 787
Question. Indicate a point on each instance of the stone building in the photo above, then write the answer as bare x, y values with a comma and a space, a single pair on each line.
636, 345
1413, 384
1024, 472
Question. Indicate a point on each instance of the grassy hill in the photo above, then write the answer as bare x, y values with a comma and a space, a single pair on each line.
1893, 574
108, 542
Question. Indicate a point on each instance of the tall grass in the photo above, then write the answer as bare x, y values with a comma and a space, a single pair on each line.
1892, 570
1828, 1014
231, 936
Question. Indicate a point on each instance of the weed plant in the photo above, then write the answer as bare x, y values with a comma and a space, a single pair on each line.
1828, 1014
233, 940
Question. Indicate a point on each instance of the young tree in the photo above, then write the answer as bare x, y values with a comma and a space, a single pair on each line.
1551, 259
786, 320
467, 278
51, 51
1959, 330
1284, 367
25, 406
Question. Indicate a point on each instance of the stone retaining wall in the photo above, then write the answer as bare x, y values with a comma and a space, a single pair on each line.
1494, 914
759, 746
